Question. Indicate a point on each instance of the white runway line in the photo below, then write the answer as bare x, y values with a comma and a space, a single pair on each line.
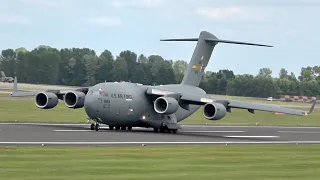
213, 131
45, 124
252, 126
87, 130
251, 136
128, 143
70, 130
300, 132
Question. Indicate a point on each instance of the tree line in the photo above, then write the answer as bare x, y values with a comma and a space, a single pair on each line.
83, 67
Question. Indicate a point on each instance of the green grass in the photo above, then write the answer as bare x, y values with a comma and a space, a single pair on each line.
26, 111
162, 162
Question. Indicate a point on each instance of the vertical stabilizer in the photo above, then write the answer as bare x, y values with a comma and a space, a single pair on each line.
202, 54
199, 60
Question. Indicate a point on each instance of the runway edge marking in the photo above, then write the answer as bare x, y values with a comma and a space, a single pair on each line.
299, 132
251, 136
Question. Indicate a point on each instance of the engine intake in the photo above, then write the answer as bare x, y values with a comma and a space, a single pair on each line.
74, 99
214, 111
46, 100
166, 105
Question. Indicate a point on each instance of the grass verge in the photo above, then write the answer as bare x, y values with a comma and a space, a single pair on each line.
162, 162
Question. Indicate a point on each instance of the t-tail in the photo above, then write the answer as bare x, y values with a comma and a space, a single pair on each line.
201, 55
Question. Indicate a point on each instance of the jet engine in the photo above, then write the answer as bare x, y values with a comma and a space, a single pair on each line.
46, 100
166, 105
214, 111
74, 99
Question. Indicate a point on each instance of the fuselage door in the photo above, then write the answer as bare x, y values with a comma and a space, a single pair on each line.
105, 100
130, 109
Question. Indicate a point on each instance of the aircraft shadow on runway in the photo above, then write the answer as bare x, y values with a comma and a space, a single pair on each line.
146, 130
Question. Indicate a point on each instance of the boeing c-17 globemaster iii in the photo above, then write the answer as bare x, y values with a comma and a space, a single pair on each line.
123, 105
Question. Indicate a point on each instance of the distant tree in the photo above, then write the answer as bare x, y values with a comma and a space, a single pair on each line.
83, 67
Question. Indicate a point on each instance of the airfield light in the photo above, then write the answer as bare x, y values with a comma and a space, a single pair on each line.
143, 117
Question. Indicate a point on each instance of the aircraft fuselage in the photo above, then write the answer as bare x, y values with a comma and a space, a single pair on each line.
126, 104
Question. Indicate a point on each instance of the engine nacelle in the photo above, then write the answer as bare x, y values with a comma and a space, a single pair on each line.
214, 111
166, 105
46, 100
74, 99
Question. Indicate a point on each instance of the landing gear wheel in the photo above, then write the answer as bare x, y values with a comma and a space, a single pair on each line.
117, 127
129, 128
97, 127
169, 131
163, 129
174, 131
92, 127
111, 127
123, 128
155, 129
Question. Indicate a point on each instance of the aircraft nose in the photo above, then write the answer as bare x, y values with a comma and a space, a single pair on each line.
89, 103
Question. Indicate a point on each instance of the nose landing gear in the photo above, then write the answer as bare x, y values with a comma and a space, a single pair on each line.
95, 126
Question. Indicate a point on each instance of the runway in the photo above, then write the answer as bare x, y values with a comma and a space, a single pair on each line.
80, 134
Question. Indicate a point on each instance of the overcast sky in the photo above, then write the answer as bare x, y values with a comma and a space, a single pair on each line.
291, 26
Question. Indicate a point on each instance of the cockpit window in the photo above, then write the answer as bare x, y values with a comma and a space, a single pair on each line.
98, 90
94, 91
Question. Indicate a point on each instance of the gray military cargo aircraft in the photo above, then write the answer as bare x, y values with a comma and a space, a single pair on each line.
4, 78
123, 105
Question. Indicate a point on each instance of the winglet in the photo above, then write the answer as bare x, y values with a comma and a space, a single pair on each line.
312, 107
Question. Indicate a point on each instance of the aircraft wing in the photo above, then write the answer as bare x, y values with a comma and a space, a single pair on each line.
195, 99
59, 92
251, 107
55, 91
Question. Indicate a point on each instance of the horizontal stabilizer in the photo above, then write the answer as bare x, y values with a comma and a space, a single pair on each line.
182, 39
215, 40
235, 42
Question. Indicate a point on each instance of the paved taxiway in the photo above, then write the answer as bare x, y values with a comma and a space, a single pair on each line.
79, 134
